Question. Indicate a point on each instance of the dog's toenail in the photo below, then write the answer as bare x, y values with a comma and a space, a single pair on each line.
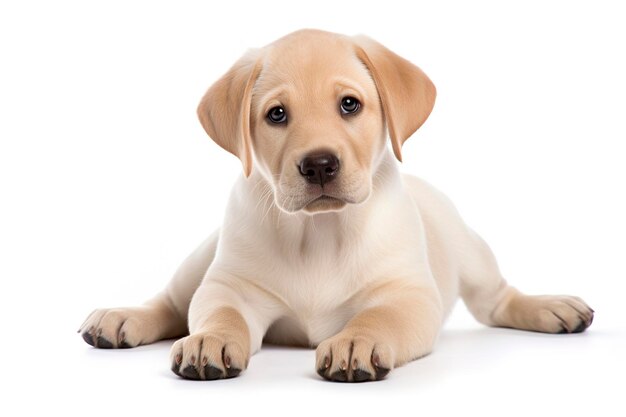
326, 362
355, 364
205, 360
179, 359
343, 366
376, 360
227, 361
192, 360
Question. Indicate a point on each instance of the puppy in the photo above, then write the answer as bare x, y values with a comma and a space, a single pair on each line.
324, 242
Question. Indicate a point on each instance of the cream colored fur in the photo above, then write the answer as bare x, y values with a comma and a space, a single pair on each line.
369, 275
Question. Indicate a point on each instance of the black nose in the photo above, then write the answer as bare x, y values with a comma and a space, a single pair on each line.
320, 168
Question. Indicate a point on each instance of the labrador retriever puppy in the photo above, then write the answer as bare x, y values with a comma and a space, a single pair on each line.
324, 242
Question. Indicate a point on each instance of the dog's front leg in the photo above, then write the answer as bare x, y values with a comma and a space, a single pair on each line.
227, 321
398, 322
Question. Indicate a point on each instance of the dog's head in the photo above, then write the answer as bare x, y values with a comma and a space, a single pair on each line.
311, 112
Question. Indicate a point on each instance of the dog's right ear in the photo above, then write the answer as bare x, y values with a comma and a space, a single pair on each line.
224, 111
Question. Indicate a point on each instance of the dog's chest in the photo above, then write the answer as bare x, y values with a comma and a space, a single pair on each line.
318, 298
319, 276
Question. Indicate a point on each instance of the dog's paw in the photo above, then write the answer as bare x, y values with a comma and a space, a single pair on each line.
345, 358
118, 327
562, 314
204, 356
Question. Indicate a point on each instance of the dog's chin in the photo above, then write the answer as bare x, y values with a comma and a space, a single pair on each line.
324, 203
320, 203
311, 201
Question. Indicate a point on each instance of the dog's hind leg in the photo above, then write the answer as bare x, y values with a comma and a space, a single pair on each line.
493, 302
162, 317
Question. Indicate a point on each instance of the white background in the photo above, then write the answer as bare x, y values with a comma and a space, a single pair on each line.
108, 181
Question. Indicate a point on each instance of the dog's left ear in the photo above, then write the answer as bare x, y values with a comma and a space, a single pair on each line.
406, 93
224, 111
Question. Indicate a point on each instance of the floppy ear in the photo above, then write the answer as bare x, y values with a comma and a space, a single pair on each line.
224, 111
406, 93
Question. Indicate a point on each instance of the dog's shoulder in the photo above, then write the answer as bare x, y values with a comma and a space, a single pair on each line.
425, 196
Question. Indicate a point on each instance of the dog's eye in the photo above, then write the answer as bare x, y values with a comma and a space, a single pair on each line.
350, 105
277, 115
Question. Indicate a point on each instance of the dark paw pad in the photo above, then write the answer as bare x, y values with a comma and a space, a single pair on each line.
359, 375
87, 337
232, 372
339, 376
211, 372
104, 343
381, 372
190, 372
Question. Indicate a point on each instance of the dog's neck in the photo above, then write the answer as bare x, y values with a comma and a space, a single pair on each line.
330, 228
